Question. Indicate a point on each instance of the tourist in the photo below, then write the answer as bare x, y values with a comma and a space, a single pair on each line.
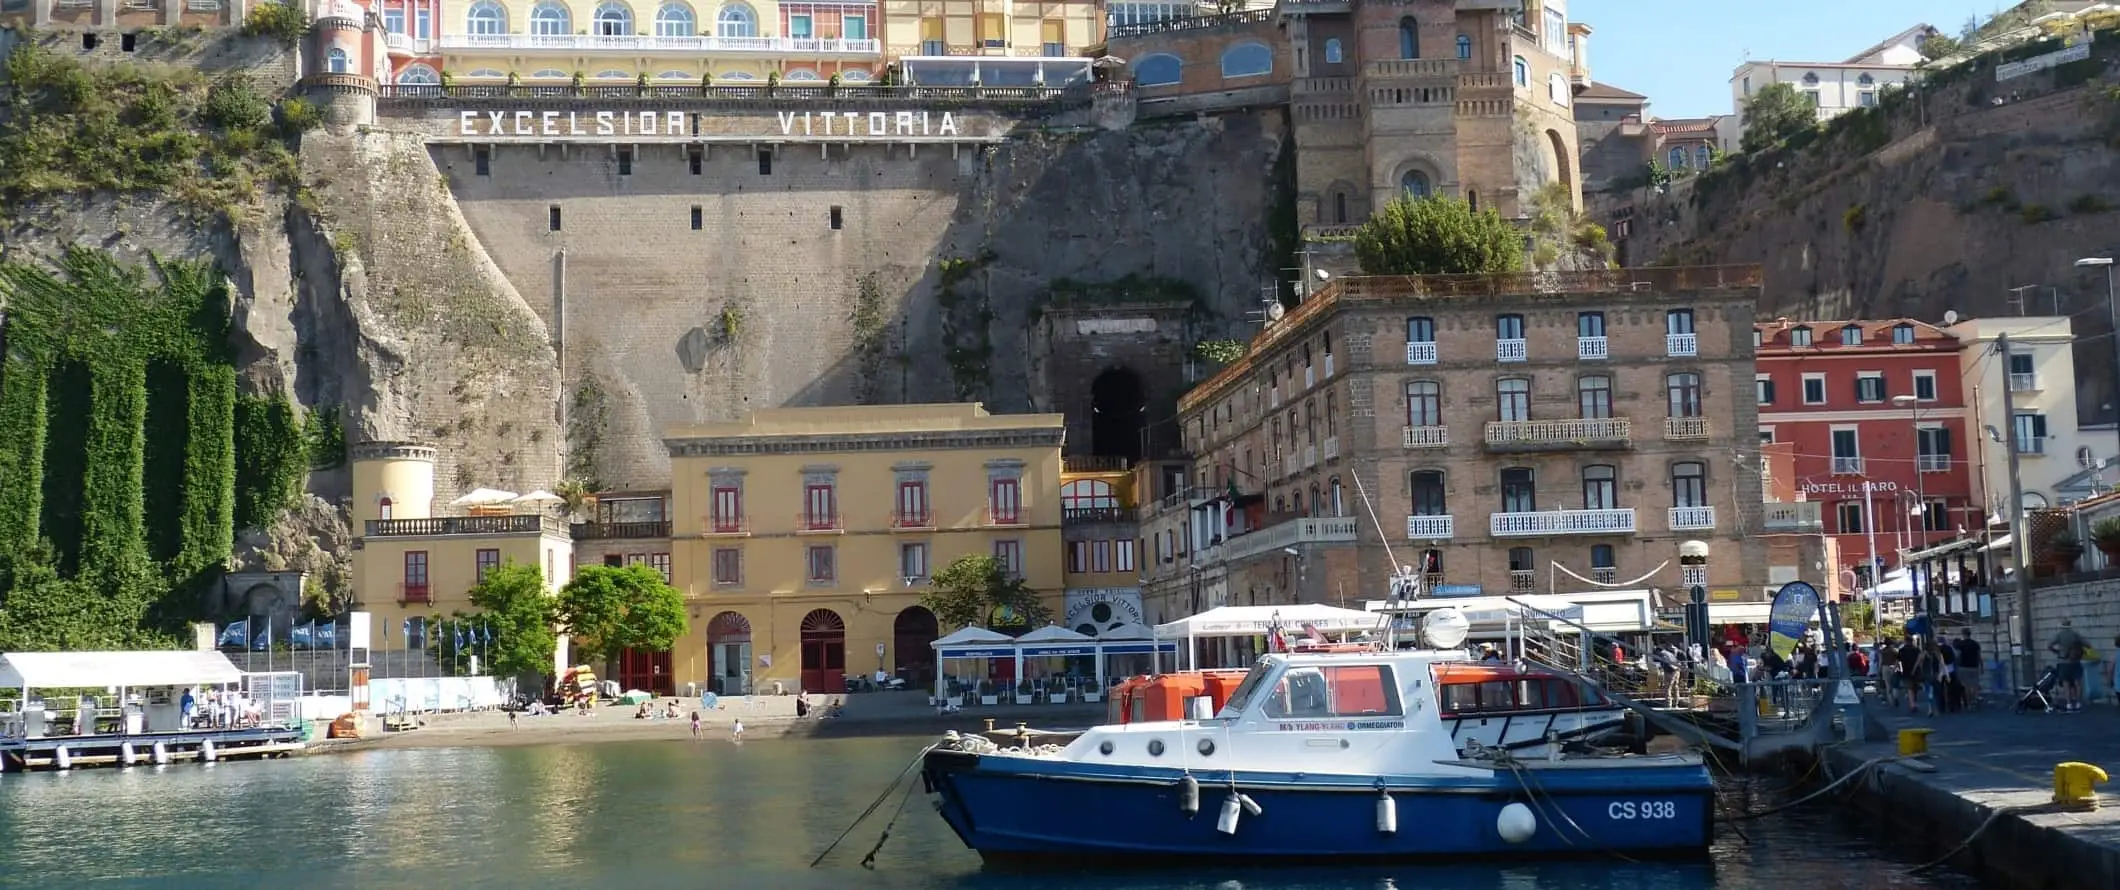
736, 731
802, 705
2069, 646
1909, 674
185, 706
1969, 669
1667, 664
695, 724
512, 717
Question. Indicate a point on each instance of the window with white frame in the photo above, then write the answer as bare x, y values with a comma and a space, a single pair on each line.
1764, 385
1925, 386
1814, 389
1869, 387
1848, 517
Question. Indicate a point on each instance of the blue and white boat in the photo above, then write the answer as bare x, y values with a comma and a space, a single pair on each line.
1337, 756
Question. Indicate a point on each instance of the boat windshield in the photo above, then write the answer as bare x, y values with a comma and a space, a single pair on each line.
1253, 682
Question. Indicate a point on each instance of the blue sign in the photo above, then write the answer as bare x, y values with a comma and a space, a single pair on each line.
1455, 590
1138, 648
1789, 618
979, 653
1046, 650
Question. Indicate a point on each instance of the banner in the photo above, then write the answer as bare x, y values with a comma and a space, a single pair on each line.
1789, 618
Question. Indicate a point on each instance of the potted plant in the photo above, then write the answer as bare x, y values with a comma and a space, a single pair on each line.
832, 83
448, 80
640, 84
1056, 690
772, 81
1026, 693
514, 79
578, 82
2062, 551
987, 694
706, 82
1091, 694
2105, 533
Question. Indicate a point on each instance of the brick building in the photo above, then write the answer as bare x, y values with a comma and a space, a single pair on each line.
1577, 423
1877, 416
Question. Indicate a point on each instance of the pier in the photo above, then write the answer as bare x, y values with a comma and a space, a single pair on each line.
157, 748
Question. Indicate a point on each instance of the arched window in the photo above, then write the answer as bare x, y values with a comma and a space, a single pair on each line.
612, 20
1295, 502
1464, 46
1701, 155
1409, 38
1557, 89
418, 75
1333, 53
1317, 501
1472, 200
855, 76
736, 20
801, 74
1600, 487
676, 75
676, 20
1677, 157
1521, 71
1088, 494
1158, 69
1415, 184
548, 74
1247, 60
1339, 498
1689, 484
337, 62
382, 505
549, 18
1810, 79
736, 75
487, 73
1339, 207
1865, 80
613, 74
485, 17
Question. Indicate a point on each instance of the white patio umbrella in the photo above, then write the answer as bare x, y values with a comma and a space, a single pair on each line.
540, 496
480, 497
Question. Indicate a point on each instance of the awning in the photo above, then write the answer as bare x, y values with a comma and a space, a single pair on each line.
97, 670
1250, 621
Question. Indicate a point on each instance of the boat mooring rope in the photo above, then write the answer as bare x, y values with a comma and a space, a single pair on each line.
869, 861
873, 807
1860, 769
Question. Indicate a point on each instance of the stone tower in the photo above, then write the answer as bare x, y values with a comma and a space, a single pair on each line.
341, 62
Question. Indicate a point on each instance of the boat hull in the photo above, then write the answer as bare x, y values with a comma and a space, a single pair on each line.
1014, 809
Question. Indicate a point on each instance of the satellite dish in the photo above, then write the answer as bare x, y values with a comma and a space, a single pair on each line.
1445, 628
1322, 274
1950, 316
1275, 311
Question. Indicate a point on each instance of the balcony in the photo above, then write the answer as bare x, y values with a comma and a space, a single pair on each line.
1420, 353
1847, 466
1563, 522
1310, 456
1073, 515
912, 521
711, 526
1427, 436
1511, 350
1323, 530
1015, 518
1686, 519
522, 523
1593, 348
1332, 448
811, 523
1685, 429
1786, 517
1094, 463
1523, 581
1292, 464
411, 592
1681, 345
1933, 463
1553, 435
2024, 381
1430, 528
646, 44
613, 531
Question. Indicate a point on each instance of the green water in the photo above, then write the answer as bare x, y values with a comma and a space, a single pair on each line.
683, 814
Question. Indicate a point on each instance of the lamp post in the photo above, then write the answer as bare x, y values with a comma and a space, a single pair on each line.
2112, 317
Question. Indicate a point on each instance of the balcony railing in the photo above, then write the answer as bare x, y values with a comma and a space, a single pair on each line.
415, 592
1071, 515
1523, 580
923, 520
1692, 518
2031, 445
819, 523
521, 523
1420, 353
1292, 464
1430, 528
724, 525
1511, 350
1310, 456
1332, 448
2024, 381
1681, 345
1592, 348
1541, 434
598, 531
1016, 517
1685, 428
1563, 522
1322, 530
1792, 516
1427, 436
1846, 465
1933, 463
1094, 463
648, 44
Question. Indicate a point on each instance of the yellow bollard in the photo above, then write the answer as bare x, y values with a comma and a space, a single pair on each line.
2076, 785
1914, 742
1766, 706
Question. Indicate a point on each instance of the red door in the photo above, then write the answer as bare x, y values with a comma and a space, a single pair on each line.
824, 652
645, 671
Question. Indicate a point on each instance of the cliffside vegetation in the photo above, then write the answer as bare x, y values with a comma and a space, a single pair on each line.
1437, 236
127, 459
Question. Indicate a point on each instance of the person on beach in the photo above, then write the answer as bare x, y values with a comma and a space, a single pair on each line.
695, 724
511, 720
736, 731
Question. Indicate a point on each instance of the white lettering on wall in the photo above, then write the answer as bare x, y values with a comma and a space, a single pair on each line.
1115, 326
842, 124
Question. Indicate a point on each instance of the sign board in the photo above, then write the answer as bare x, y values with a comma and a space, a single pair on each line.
1810, 487
618, 126
1789, 618
879, 650
1094, 610
1725, 596
2013, 70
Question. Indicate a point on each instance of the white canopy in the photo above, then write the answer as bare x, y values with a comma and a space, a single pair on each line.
1251, 621
1127, 631
539, 496
971, 636
482, 496
96, 670
1053, 633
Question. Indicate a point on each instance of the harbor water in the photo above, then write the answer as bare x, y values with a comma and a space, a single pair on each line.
705, 813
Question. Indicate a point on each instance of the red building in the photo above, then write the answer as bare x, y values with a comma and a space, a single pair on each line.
1876, 416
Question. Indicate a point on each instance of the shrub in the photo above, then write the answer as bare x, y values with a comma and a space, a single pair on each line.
298, 116
2037, 213
1854, 217
281, 22
231, 104
2088, 203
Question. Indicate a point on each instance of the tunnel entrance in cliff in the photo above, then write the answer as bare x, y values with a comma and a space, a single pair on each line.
1118, 413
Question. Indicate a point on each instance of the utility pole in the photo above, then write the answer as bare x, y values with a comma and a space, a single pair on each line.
2020, 537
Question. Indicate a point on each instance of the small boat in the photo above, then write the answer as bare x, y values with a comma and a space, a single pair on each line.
1323, 755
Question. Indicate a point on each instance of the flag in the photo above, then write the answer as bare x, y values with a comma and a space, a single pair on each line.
303, 636
487, 637
263, 641
461, 640
418, 633
328, 635
406, 626
236, 634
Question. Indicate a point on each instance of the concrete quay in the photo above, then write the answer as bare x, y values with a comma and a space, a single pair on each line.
1986, 762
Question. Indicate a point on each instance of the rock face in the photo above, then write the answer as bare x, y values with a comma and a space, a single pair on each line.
1945, 202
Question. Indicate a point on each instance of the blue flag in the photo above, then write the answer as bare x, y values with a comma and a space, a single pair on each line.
303, 636
262, 641
327, 635
461, 640
236, 634
487, 631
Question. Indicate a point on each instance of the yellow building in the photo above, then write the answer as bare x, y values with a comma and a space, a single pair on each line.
804, 536
952, 42
411, 564
613, 42
1101, 566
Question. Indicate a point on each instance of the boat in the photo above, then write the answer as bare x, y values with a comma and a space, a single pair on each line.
1315, 755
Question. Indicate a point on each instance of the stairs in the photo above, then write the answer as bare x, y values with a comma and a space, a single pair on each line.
1566, 647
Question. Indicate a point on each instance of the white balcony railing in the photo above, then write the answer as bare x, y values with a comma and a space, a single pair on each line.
1328, 366
1332, 448
1933, 463
1511, 350
1430, 528
1563, 522
1523, 580
1685, 428
1322, 530
1681, 345
2024, 381
1847, 465
2031, 445
1310, 456
1792, 516
1580, 430
1427, 436
1420, 353
1591, 348
1692, 518
642, 43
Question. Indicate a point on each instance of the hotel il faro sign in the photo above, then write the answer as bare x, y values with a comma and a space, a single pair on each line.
880, 126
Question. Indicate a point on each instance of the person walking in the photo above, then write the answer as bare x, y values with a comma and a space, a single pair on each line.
1969, 668
695, 724
2068, 646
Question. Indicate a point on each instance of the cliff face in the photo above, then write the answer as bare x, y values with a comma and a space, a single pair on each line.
1946, 200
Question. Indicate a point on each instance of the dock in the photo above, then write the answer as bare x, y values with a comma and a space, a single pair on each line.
111, 749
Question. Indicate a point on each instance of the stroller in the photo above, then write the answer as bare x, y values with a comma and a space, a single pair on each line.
2035, 697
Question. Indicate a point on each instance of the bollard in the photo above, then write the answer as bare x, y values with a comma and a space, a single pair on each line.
2076, 785
1914, 742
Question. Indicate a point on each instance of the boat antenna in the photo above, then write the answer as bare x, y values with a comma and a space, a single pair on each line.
1403, 580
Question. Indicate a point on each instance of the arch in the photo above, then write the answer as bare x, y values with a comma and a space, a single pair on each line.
1088, 494
1416, 184
1865, 79
612, 74
1158, 69
1409, 38
1702, 154
1464, 46
550, 18
1339, 498
1563, 164
548, 74
854, 76
1557, 89
824, 652
729, 654
676, 75
676, 20
1339, 207
337, 62
736, 20
421, 75
1117, 402
1676, 157
493, 73
1295, 502
1520, 71
736, 75
801, 74
1334, 52
912, 654
486, 17
1247, 60
611, 19
382, 504
1472, 200
1317, 500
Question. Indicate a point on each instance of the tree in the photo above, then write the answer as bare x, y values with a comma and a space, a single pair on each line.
1774, 114
1937, 46
606, 609
974, 587
1437, 236
512, 601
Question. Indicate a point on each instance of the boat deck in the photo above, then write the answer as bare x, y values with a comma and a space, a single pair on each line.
110, 749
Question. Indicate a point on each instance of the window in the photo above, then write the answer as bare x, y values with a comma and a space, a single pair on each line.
854, 27
394, 20
1847, 448
1005, 500
336, 61
728, 509
675, 20
799, 27
1903, 334
485, 561
612, 20
1603, 562
1810, 79
736, 20
660, 562
552, 217
1424, 403
419, 75
728, 566
699, 218
1429, 498
1933, 445
819, 510
1334, 691
1409, 38
1683, 390
1512, 399
1333, 52
1556, 23
1851, 335
1247, 60
1593, 397
482, 161
1520, 71
2031, 433
1077, 557
1811, 96
1519, 490
382, 507
1420, 330
1600, 487
1765, 386
549, 18
625, 162
1925, 386
1676, 157
765, 162
1849, 515
1814, 389
1702, 155
1009, 554
1936, 515
1415, 184
913, 562
1799, 336
820, 564
912, 509
486, 17
1123, 555
1758, 338
1589, 324
1678, 321
1464, 47
415, 588
1689, 484
1508, 327
1100, 553
1869, 386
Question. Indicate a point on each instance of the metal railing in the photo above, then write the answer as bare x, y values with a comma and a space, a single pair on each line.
819, 522
651, 44
1320, 530
913, 519
1593, 348
1431, 528
594, 531
1420, 353
1562, 522
1427, 436
1079, 514
1685, 428
724, 525
1797, 516
2024, 381
1847, 465
908, 95
1932, 463
1191, 23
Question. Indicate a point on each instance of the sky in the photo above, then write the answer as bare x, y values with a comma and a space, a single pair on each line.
1681, 56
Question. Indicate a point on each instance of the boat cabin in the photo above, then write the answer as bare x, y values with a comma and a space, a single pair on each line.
1465, 688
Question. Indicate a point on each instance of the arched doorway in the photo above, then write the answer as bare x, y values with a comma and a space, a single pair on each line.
911, 633
729, 654
1118, 406
1561, 164
824, 652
